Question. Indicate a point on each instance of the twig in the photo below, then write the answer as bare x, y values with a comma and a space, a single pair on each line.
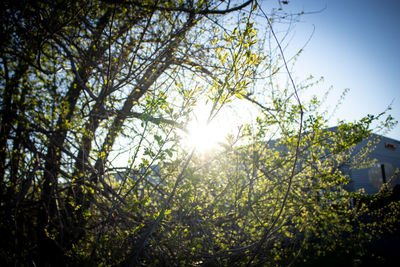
267, 230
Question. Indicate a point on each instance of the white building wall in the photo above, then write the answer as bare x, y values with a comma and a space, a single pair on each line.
386, 153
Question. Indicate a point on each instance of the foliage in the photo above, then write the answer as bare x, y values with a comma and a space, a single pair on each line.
86, 85
373, 229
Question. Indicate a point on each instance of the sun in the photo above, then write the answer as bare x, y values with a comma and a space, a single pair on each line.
205, 137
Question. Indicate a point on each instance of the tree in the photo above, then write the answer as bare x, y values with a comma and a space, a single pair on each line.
76, 76
84, 82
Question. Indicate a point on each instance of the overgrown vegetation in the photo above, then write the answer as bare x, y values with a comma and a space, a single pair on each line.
90, 86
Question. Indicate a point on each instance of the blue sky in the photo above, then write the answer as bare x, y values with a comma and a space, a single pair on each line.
355, 45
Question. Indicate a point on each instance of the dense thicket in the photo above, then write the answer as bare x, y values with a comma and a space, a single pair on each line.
90, 86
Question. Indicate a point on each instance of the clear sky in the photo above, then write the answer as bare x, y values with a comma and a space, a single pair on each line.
355, 45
